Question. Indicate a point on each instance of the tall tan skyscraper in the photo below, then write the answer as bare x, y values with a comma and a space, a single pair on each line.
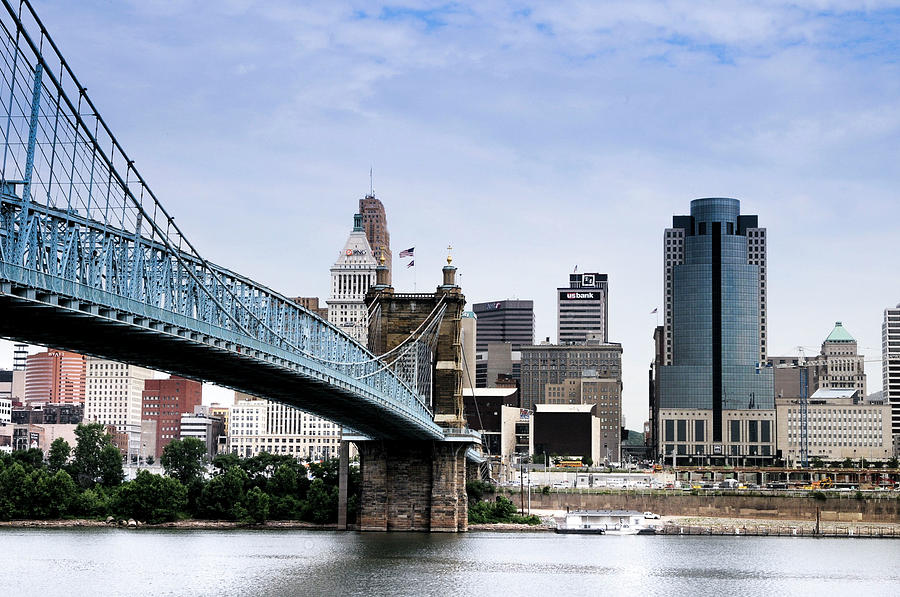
375, 225
54, 376
351, 276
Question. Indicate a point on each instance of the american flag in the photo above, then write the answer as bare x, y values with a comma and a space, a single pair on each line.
408, 252
411, 263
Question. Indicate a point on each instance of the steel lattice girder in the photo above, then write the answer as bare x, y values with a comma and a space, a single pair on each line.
88, 232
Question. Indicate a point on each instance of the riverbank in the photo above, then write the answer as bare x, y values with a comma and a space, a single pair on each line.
850, 508
667, 525
693, 525
179, 524
724, 526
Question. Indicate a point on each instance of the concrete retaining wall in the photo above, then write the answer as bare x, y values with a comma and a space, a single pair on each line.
843, 508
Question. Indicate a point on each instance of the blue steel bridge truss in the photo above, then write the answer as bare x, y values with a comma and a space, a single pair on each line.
90, 260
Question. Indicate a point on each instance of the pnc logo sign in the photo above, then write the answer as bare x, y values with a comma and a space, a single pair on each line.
354, 252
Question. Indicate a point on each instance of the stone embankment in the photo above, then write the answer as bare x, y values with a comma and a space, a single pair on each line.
774, 528
844, 507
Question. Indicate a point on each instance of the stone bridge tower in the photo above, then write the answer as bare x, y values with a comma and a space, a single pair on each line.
414, 485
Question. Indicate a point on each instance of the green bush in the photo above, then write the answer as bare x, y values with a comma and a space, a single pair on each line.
91, 503
500, 510
223, 496
477, 488
150, 498
818, 496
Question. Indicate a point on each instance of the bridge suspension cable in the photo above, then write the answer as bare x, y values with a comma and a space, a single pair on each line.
79, 224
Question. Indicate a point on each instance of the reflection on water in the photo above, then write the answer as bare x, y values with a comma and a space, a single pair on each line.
169, 562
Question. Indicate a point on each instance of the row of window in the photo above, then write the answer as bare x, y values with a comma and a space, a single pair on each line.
732, 450
757, 431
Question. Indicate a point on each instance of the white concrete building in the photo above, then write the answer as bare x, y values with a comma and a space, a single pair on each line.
201, 425
5, 411
890, 365
263, 426
840, 424
113, 396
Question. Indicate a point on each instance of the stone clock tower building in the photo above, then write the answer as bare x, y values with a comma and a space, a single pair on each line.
351, 276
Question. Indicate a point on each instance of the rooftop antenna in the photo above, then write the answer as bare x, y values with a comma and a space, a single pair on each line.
371, 182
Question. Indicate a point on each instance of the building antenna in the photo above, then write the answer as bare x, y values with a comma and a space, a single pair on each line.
371, 182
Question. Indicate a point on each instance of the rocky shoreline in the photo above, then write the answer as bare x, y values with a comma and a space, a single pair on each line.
668, 525
179, 524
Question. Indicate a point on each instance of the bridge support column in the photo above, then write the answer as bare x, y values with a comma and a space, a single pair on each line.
413, 486
343, 479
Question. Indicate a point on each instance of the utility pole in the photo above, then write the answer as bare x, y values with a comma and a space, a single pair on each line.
522, 485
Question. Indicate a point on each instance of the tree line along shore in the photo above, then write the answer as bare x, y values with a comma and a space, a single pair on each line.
87, 482
85, 486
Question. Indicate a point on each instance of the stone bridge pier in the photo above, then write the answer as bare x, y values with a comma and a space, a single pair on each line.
413, 486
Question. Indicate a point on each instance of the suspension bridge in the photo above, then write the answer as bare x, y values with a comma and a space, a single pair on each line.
91, 261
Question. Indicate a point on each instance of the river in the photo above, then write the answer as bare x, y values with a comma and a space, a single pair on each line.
46, 562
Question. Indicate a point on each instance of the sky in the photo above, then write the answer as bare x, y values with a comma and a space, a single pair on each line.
532, 137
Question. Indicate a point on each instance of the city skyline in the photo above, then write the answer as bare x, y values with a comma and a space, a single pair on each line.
789, 110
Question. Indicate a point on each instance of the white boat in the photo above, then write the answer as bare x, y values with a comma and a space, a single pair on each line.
604, 522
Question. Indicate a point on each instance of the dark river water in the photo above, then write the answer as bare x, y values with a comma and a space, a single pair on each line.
244, 562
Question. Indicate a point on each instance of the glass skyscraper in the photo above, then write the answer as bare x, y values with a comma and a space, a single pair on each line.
714, 335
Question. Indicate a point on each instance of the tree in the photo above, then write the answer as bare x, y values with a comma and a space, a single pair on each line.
58, 455
50, 495
92, 438
257, 505
327, 471
31, 459
847, 463
183, 459
91, 503
150, 498
892, 462
223, 462
321, 503
587, 461
13, 491
111, 472
817, 462
222, 497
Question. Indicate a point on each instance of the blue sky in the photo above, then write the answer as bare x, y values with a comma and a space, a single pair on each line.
531, 136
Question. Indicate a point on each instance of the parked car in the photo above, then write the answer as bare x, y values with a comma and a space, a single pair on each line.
651, 515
